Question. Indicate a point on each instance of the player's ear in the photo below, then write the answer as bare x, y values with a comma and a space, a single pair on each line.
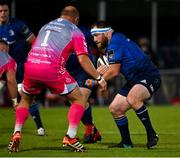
106, 34
76, 20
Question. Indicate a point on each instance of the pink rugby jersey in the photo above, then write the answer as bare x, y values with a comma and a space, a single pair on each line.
53, 45
6, 63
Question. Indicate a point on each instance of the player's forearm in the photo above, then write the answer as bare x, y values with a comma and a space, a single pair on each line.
88, 66
112, 72
109, 75
31, 39
12, 88
107, 72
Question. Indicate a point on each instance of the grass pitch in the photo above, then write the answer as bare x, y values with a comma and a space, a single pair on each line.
165, 119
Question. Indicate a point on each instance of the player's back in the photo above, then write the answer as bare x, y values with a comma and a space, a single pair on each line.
53, 41
5, 62
53, 46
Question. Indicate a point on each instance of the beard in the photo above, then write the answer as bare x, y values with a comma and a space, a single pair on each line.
102, 45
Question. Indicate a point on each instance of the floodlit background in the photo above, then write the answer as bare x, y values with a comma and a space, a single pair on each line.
152, 22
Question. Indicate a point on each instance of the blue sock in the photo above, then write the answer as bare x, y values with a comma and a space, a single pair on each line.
34, 111
143, 115
122, 124
87, 116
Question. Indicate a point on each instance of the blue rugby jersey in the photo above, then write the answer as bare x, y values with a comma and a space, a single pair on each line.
16, 32
132, 59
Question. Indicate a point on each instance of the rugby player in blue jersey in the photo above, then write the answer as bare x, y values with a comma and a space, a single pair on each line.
143, 79
74, 68
17, 34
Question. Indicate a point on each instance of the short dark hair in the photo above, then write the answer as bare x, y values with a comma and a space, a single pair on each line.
101, 24
4, 42
73, 12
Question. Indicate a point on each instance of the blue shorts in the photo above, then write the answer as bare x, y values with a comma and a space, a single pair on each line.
152, 83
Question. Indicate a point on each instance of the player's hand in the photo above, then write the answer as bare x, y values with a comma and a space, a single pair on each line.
102, 69
103, 84
14, 103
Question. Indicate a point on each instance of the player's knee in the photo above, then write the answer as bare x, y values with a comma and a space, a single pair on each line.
111, 109
133, 102
116, 110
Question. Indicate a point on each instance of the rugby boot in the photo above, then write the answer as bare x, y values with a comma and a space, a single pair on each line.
14, 142
91, 135
97, 135
152, 141
73, 143
41, 131
122, 145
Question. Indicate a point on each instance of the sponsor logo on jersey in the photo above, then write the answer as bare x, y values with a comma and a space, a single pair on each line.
110, 54
144, 81
11, 32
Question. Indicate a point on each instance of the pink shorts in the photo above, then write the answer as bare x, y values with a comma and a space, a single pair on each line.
35, 81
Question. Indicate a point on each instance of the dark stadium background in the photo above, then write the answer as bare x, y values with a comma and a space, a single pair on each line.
132, 17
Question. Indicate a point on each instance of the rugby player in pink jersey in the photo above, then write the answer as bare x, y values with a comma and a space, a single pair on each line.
45, 68
8, 68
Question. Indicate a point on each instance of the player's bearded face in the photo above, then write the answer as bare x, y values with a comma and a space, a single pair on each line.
101, 41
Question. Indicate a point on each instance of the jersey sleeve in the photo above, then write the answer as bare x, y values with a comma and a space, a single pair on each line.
11, 65
79, 44
114, 55
23, 29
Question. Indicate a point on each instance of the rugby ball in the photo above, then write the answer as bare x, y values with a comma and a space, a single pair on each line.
102, 61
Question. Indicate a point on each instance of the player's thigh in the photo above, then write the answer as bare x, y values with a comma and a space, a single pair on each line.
138, 94
26, 100
119, 103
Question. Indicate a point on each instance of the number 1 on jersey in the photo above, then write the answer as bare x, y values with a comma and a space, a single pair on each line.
44, 44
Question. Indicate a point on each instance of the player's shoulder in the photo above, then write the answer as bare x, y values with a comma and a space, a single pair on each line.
16, 22
5, 56
118, 36
77, 31
76, 28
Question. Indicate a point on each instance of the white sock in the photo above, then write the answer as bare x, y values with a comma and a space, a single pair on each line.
17, 128
72, 131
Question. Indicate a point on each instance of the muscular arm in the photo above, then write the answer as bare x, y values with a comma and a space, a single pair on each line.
31, 39
11, 83
87, 65
112, 72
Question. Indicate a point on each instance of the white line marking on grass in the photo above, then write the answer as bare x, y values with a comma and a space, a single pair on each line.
137, 133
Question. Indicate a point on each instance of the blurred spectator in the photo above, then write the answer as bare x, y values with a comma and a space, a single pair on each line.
145, 45
169, 51
177, 58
